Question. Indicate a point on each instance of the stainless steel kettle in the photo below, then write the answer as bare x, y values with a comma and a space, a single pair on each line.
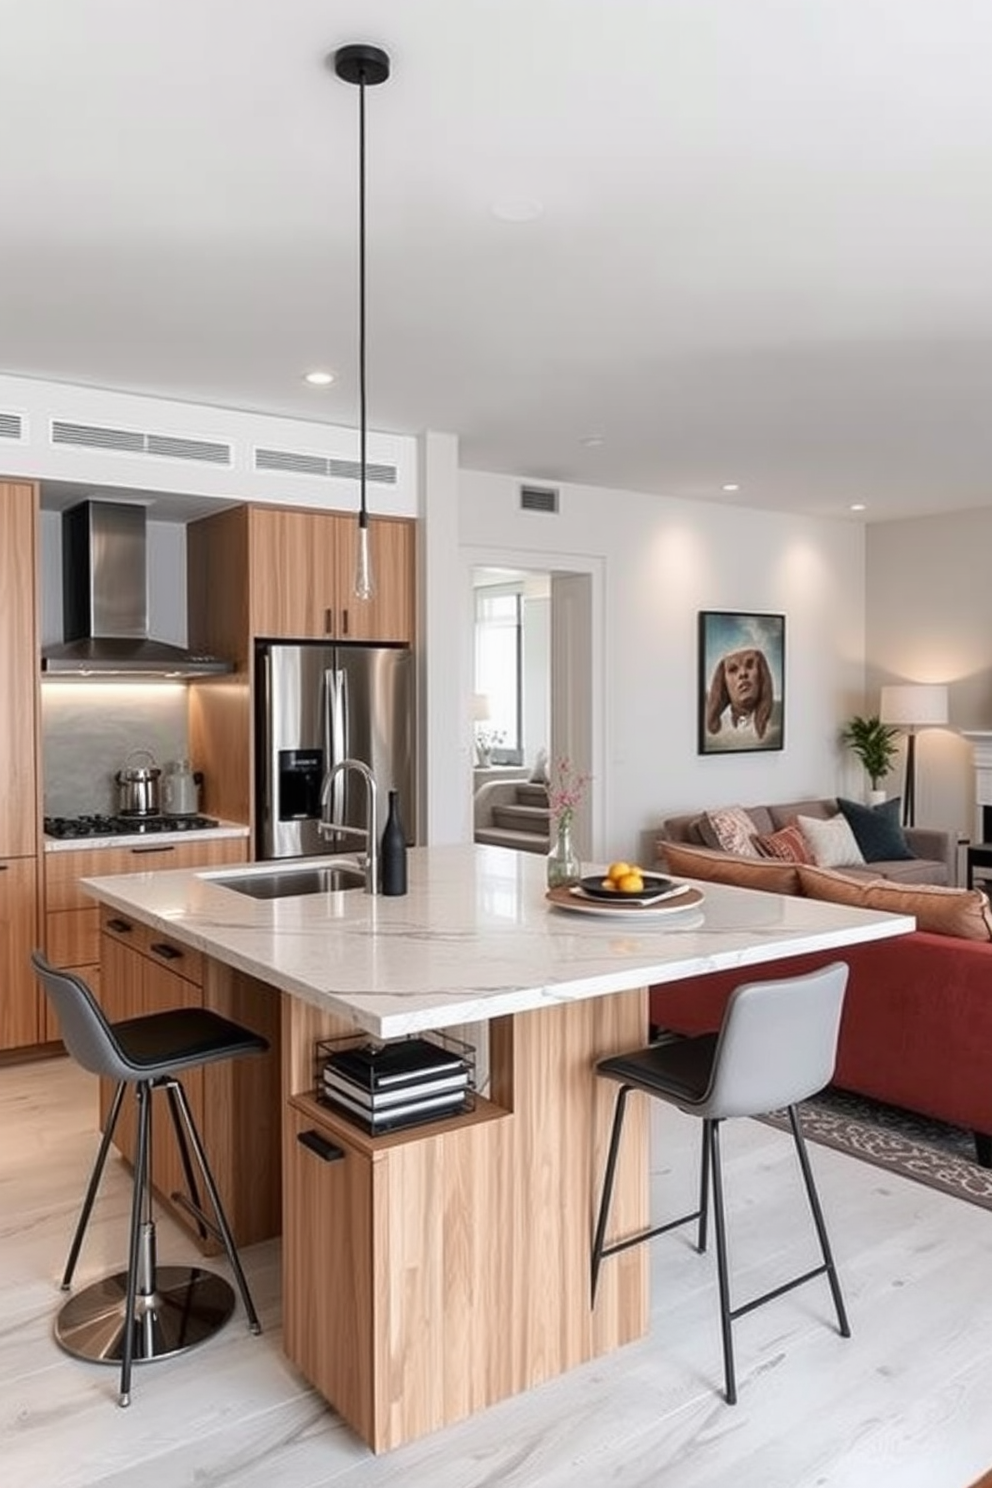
138, 784
180, 789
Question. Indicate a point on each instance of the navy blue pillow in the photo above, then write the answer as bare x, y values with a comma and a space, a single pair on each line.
877, 829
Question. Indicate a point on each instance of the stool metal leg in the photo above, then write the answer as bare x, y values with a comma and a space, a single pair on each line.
94, 1184
704, 1191
195, 1207
604, 1203
723, 1270
215, 1199
818, 1220
140, 1196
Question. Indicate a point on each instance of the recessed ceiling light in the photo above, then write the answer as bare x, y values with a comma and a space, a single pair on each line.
857, 506
592, 441
319, 379
517, 208
730, 486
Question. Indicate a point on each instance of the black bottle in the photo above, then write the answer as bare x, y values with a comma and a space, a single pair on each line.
392, 850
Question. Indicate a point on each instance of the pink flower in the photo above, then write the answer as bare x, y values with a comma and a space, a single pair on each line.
565, 793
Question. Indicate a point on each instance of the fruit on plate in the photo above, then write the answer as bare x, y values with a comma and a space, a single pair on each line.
626, 878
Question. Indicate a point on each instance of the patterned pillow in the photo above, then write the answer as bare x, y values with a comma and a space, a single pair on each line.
831, 842
733, 829
788, 843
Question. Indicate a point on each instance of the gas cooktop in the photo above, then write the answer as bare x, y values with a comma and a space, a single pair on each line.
121, 826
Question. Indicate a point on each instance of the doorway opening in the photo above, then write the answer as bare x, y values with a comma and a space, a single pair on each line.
531, 698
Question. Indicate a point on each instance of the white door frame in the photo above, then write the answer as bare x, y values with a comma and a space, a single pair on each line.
593, 687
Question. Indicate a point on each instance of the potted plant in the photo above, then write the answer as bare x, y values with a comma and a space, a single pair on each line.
875, 743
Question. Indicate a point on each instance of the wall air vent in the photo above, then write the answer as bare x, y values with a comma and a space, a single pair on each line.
539, 498
293, 462
134, 442
11, 426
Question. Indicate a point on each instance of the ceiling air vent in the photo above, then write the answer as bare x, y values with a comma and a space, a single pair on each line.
134, 442
293, 462
539, 498
11, 426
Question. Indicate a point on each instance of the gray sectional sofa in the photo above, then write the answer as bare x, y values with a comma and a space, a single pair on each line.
934, 863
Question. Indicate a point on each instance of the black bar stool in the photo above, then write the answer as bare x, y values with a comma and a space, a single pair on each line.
171, 1308
777, 1045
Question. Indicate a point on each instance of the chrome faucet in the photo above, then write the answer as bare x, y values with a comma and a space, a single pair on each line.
369, 861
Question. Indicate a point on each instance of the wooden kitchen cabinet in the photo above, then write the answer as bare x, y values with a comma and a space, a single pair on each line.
235, 1103
19, 671
21, 1000
72, 918
297, 566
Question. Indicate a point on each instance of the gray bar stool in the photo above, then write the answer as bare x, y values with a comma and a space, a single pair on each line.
171, 1308
777, 1044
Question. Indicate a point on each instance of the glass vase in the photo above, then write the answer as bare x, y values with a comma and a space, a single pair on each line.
564, 867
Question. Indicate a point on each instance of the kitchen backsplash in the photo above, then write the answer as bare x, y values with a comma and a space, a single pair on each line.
88, 728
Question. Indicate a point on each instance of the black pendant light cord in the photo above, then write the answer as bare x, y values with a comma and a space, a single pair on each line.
363, 516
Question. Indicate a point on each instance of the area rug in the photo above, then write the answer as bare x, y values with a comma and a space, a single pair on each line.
913, 1146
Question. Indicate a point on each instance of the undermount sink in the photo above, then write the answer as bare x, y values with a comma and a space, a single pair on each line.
288, 883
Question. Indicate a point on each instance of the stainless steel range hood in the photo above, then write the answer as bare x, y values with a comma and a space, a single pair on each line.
105, 601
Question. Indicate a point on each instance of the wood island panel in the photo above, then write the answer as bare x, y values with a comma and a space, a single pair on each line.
471, 1238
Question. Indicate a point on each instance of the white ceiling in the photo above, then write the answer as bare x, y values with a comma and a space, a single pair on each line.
764, 253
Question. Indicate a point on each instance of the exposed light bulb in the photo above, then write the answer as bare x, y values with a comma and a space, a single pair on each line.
364, 583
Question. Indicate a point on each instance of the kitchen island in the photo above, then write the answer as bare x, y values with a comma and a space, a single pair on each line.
433, 1271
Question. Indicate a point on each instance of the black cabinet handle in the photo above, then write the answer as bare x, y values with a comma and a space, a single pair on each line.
325, 1150
167, 952
121, 926
166, 847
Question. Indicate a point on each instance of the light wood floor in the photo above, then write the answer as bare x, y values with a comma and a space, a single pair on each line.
906, 1403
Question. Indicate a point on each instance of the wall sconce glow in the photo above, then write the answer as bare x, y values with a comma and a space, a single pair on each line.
857, 506
318, 379
730, 486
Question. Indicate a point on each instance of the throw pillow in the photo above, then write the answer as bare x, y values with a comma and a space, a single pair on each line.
831, 842
787, 843
877, 829
733, 829
720, 867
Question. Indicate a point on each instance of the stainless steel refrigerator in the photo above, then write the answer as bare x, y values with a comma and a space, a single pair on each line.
318, 704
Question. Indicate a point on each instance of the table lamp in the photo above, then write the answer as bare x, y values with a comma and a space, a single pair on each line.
913, 706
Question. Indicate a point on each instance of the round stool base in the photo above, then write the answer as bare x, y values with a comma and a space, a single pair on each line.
188, 1306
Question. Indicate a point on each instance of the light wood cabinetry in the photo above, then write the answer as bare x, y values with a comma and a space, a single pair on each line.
431, 1272
72, 917
21, 1015
20, 999
285, 573
235, 1103
279, 573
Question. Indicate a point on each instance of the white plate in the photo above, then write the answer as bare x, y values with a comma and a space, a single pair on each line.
564, 899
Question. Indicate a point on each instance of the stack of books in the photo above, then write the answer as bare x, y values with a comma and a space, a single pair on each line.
382, 1087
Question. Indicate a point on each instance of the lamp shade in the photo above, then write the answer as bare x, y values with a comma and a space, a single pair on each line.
915, 705
481, 708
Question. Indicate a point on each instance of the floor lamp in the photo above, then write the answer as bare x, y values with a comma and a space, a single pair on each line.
911, 707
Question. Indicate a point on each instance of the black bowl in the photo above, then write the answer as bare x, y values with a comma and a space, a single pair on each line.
654, 885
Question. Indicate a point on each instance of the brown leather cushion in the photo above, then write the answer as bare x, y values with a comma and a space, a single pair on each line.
963, 913
721, 867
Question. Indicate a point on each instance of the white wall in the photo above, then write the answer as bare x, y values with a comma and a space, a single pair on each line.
929, 619
656, 563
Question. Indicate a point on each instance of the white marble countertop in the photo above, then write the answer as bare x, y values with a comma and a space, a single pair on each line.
473, 939
146, 839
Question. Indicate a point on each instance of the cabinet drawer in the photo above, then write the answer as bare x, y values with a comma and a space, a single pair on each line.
63, 870
160, 949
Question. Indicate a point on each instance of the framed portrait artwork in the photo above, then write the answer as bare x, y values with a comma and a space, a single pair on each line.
741, 682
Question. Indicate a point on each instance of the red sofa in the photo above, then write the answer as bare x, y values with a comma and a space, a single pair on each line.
917, 1024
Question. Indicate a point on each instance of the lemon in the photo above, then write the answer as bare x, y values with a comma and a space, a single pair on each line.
631, 883
617, 870
608, 883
